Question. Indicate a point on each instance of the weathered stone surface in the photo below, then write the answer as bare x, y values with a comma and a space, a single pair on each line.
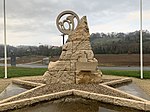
26, 83
81, 45
76, 55
59, 77
81, 33
67, 46
59, 66
147, 106
118, 82
33, 100
129, 103
88, 77
102, 98
93, 60
66, 77
86, 66
80, 93
76, 63
66, 55
73, 65
47, 77
77, 45
88, 54
82, 60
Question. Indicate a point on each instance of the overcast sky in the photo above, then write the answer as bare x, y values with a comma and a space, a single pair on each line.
32, 22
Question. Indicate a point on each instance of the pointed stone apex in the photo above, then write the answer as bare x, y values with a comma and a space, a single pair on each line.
81, 33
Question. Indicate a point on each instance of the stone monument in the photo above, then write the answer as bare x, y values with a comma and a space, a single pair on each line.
76, 63
66, 79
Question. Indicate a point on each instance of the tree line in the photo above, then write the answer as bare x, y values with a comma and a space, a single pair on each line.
102, 43
42, 50
120, 43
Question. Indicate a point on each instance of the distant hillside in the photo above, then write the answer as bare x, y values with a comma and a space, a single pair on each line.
119, 43
111, 43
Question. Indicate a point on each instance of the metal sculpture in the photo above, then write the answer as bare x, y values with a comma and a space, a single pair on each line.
69, 20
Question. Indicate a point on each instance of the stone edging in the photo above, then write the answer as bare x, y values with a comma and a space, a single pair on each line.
135, 102
140, 105
23, 93
28, 101
124, 93
93, 96
118, 82
26, 83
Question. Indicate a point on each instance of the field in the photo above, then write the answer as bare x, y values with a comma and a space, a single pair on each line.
119, 59
103, 59
122, 59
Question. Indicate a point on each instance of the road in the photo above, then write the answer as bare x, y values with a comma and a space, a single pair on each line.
124, 68
102, 68
28, 65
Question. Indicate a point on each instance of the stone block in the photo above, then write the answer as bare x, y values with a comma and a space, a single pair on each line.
81, 33
73, 65
80, 93
59, 77
129, 103
26, 83
81, 45
86, 66
77, 45
101, 98
94, 96
65, 55
147, 106
59, 94
59, 66
67, 46
88, 77
93, 60
78, 37
82, 60
66, 77
50, 77
89, 54
75, 55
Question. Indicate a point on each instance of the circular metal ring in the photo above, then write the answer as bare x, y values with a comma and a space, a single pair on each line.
69, 20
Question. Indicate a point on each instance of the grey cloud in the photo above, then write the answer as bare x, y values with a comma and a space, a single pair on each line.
40, 15
38, 8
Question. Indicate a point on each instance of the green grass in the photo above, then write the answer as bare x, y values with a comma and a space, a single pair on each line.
126, 73
20, 71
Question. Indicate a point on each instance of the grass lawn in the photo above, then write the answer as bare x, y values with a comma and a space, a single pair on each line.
20, 71
126, 73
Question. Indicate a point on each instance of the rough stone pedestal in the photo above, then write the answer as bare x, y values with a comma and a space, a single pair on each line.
76, 63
